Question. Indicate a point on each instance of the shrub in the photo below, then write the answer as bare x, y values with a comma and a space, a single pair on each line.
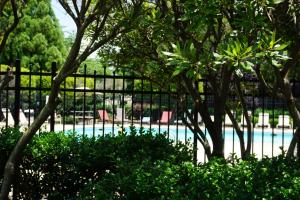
8, 139
270, 178
58, 165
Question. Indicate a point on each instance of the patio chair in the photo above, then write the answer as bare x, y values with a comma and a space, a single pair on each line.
146, 120
263, 120
29, 113
7, 116
283, 121
57, 119
243, 122
166, 116
228, 121
119, 116
103, 115
23, 120
199, 119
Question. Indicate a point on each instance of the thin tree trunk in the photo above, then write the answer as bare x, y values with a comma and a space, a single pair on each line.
221, 93
293, 109
199, 134
247, 118
239, 132
15, 155
292, 145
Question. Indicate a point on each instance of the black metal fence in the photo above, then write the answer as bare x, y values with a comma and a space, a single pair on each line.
95, 103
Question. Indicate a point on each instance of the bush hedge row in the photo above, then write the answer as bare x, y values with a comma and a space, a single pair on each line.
142, 166
58, 165
269, 178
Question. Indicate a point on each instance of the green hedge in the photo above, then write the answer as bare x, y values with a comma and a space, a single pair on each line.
270, 178
142, 166
58, 165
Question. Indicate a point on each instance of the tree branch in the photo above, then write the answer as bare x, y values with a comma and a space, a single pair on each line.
239, 132
2, 5
294, 59
272, 91
67, 8
76, 9
5, 81
245, 114
203, 110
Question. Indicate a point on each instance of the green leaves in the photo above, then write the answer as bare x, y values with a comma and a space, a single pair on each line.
58, 165
183, 59
237, 55
242, 57
269, 178
278, 1
271, 51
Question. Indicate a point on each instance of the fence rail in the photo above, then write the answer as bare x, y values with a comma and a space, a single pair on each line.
101, 103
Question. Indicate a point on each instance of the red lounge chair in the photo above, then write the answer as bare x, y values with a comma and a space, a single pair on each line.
103, 115
166, 116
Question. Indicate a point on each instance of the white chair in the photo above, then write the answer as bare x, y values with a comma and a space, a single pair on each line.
186, 116
199, 118
119, 114
243, 122
228, 121
7, 116
146, 120
263, 120
22, 118
29, 113
58, 118
283, 121
212, 117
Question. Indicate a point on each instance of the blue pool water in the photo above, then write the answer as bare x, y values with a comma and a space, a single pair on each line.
183, 134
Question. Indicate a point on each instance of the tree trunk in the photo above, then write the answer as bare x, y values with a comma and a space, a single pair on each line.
217, 133
292, 107
218, 147
239, 132
245, 152
293, 144
15, 155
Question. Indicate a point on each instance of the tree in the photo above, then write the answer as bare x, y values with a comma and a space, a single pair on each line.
275, 52
100, 22
285, 21
38, 38
217, 40
10, 14
9, 19
178, 38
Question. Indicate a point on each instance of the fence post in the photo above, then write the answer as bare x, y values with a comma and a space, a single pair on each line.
52, 116
195, 146
17, 92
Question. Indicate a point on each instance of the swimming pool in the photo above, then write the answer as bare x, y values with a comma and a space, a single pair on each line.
182, 134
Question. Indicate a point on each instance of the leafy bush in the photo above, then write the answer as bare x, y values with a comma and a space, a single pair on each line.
58, 165
270, 178
140, 165
8, 138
